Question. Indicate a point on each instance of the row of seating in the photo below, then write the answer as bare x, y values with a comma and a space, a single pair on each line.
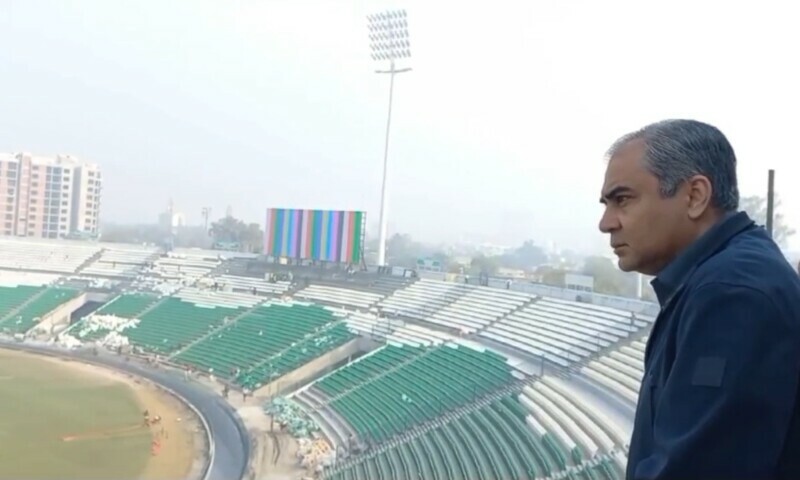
564, 332
620, 371
12, 298
386, 285
173, 266
266, 342
299, 353
567, 437
397, 334
478, 308
16, 278
561, 331
28, 254
115, 270
340, 296
463, 308
128, 305
36, 306
371, 325
418, 336
117, 315
174, 323
250, 284
412, 385
423, 298
120, 262
494, 441
216, 298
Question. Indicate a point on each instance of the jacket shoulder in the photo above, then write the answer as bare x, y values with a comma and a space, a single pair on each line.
752, 260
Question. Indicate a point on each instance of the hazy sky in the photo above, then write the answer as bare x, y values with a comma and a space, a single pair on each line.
498, 133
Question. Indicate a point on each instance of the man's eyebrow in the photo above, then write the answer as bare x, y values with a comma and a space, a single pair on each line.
614, 192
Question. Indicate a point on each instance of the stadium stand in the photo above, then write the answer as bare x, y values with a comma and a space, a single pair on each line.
620, 371
211, 299
465, 308
362, 323
417, 336
175, 322
494, 439
412, 385
118, 262
173, 266
12, 298
128, 305
479, 308
250, 284
28, 304
423, 298
16, 278
62, 257
112, 316
339, 296
267, 342
564, 332
388, 284
607, 433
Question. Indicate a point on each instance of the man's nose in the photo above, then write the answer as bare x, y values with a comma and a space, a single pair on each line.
609, 221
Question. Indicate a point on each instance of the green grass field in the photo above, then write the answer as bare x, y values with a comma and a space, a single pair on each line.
41, 403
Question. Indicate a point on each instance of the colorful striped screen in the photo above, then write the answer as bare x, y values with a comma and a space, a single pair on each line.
327, 235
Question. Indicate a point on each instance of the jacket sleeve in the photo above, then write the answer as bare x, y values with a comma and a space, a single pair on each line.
724, 409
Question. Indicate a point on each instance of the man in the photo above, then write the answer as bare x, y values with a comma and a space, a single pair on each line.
719, 398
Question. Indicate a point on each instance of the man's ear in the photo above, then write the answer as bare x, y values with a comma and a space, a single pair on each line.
699, 195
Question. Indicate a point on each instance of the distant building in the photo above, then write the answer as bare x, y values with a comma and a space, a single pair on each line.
49, 197
492, 250
429, 265
169, 221
578, 282
511, 273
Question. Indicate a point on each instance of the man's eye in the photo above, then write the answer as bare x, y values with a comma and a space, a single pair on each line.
622, 199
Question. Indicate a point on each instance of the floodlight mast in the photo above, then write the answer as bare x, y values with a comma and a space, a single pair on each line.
389, 40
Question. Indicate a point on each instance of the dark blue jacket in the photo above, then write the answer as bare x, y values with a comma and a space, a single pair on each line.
719, 398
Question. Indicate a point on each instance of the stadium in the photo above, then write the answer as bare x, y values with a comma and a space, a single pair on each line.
306, 363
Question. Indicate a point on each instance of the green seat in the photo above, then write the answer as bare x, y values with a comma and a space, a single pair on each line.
266, 343
39, 304
492, 442
412, 389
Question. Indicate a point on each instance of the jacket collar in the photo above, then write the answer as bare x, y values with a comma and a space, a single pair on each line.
675, 274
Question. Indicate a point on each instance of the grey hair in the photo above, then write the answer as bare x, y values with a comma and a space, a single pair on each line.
676, 150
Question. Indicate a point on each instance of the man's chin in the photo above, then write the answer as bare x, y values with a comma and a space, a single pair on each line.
625, 265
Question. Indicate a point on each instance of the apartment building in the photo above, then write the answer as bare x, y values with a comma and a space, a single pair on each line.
48, 197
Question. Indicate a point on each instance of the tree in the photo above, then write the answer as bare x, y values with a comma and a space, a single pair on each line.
756, 208
227, 230
401, 244
607, 278
403, 251
551, 275
230, 232
253, 238
485, 264
526, 257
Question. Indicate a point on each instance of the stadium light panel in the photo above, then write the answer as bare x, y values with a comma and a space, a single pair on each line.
388, 35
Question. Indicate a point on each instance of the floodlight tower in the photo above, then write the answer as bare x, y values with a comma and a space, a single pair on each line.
389, 41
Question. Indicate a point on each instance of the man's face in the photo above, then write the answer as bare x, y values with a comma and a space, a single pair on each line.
645, 228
